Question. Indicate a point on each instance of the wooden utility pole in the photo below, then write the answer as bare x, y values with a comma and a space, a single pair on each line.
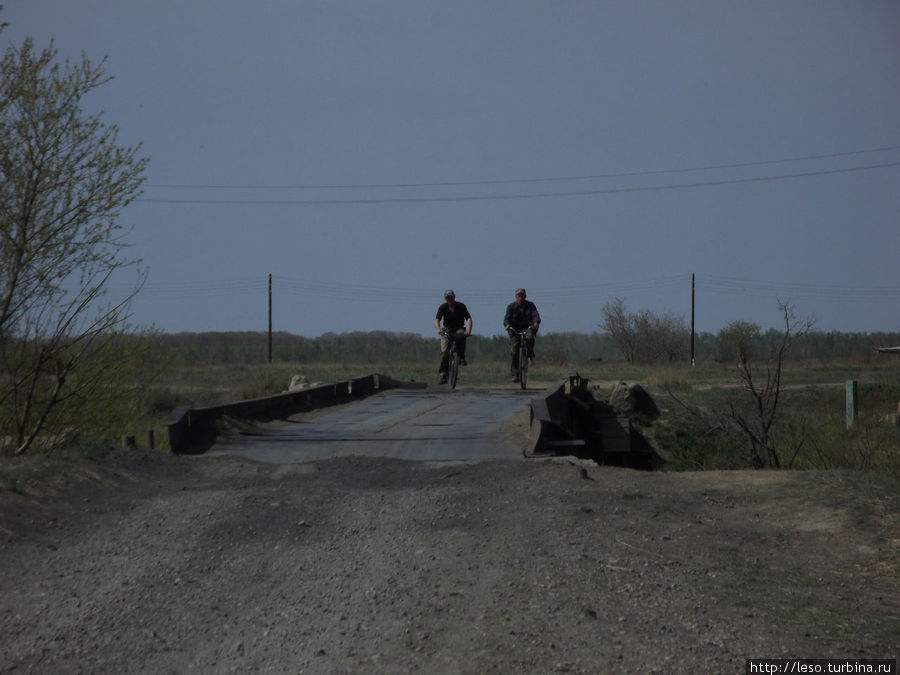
270, 318
692, 318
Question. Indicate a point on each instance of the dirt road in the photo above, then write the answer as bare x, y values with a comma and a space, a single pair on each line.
155, 563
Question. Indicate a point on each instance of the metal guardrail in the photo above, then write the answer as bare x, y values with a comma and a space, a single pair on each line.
193, 430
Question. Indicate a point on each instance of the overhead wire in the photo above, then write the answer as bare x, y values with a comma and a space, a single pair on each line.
582, 292
600, 290
204, 288
519, 196
508, 181
336, 290
831, 291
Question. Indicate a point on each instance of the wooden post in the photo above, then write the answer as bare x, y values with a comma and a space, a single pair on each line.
692, 318
852, 402
270, 318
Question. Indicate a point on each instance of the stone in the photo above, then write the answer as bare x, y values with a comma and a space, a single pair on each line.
298, 382
629, 399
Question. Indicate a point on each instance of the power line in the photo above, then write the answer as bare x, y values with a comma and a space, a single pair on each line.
793, 290
207, 288
537, 195
508, 181
706, 283
337, 291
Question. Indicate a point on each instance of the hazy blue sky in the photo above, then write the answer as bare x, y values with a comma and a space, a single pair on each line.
369, 155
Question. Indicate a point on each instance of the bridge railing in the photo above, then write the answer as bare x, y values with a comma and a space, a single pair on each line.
193, 430
567, 420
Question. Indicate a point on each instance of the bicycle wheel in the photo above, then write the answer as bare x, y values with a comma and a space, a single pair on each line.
523, 365
453, 367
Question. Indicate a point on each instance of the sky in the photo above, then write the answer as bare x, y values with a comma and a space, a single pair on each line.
370, 154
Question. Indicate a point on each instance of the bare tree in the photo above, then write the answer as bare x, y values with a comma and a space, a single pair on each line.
63, 183
622, 328
645, 336
757, 422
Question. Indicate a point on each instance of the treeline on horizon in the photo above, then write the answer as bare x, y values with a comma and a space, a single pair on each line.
221, 348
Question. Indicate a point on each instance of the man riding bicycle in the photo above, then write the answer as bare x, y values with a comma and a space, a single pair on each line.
521, 315
457, 327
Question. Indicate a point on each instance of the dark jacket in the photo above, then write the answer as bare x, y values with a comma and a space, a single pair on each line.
521, 317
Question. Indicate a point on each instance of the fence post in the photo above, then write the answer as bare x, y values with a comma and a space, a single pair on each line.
852, 402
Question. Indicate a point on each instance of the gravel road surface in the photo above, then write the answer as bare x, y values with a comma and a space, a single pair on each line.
146, 562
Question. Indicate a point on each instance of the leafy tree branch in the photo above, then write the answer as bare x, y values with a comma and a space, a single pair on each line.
64, 181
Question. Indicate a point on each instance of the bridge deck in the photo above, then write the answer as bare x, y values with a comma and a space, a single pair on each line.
402, 424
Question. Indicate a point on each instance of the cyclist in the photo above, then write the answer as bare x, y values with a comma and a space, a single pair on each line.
457, 326
521, 315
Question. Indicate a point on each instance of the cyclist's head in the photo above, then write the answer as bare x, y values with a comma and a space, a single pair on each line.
449, 294
520, 292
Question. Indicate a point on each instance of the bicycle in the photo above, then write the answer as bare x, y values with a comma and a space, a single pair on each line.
452, 360
523, 357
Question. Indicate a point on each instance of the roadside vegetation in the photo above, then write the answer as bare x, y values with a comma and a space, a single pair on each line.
68, 358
